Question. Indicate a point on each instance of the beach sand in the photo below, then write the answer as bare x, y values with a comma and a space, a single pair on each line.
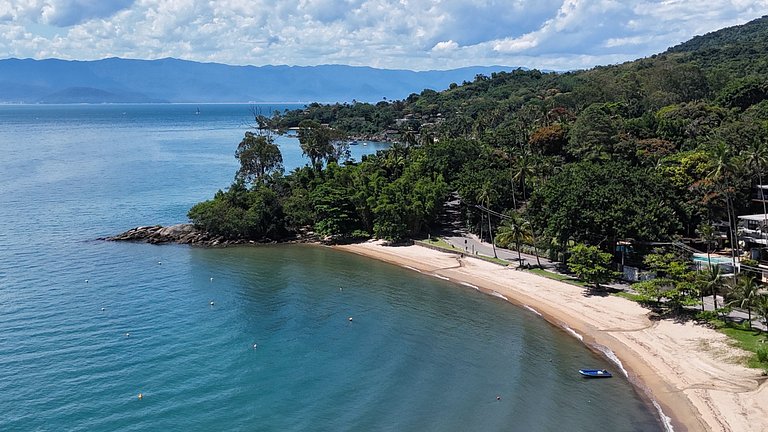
692, 372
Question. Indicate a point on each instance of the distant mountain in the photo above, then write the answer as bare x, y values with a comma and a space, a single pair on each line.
115, 80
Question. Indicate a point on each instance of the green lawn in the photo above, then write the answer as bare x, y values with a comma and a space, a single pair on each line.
558, 277
498, 261
629, 296
440, 243
748, 340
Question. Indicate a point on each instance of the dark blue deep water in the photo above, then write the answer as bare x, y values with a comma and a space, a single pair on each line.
420, 355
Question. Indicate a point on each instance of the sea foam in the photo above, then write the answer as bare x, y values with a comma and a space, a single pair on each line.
573, 333
499, 295
532, 310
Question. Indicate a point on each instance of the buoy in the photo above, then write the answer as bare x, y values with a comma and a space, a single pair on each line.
86, 281
211, 279
103, 309
350, 318
160, 263
211, 302
498, 397
127, 334
255, 346
141, 396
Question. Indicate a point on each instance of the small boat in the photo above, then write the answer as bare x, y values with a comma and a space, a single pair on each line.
595, 373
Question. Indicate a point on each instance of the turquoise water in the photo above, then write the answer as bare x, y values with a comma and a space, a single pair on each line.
420, 354
702, 258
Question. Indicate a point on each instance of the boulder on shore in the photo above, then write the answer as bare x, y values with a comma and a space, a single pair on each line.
158, 234
187, 234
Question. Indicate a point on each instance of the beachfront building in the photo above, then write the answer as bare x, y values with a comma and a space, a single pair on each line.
760, 194
753, 238
753, 235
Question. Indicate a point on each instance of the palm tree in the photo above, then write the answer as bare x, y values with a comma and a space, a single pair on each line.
321, 143
533, 240
707, 233
743, 291
524, 168
486, 194
722, 168
761, 307
395, 161
509, 159
514, 229
713, 282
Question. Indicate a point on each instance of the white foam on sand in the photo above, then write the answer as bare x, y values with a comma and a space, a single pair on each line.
467, 284
665, 420
532, 310
612, 357
413, 268
499, 295
573, 333
441, 277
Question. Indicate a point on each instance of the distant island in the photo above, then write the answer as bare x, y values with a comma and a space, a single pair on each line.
116, 80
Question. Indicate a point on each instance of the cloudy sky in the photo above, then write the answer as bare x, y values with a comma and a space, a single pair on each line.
404, 34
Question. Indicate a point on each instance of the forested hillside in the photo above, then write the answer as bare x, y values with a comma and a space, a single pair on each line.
653, 149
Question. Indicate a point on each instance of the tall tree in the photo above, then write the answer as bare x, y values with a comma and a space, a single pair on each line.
485, 196
321, 144
722, 169
591, 264
514, 229
524, 169
259, 157
743, 290
713, 282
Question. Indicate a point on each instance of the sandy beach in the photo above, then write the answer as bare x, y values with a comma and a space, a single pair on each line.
691, 372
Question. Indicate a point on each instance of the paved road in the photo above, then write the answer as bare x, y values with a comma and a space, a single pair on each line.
472, 244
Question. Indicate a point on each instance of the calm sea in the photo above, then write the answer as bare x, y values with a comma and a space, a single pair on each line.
86, 325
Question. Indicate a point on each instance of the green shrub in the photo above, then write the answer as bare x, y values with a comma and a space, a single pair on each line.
762, 355
706, 316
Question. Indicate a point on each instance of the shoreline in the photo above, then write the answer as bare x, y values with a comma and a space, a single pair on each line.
689, 373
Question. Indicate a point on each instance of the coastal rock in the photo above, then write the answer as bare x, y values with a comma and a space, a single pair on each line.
158, 234
188, 234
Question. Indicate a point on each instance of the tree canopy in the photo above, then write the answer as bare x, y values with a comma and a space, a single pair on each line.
646, 150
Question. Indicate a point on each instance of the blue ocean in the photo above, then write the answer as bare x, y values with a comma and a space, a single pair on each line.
242, 338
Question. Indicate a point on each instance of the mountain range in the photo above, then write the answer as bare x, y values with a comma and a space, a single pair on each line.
117, 80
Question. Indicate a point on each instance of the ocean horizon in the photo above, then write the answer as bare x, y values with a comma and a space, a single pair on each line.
243, 338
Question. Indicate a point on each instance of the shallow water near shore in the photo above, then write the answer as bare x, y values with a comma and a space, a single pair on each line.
85, 326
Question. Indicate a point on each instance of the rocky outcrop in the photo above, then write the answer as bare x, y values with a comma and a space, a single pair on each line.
181, 234
188, 234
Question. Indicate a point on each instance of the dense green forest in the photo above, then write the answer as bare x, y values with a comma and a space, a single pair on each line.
654, 149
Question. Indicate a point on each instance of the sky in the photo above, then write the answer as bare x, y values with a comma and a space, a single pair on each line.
404, 34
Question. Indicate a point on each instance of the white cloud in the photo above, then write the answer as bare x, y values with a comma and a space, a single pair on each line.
519, 44
445, 46
415, 34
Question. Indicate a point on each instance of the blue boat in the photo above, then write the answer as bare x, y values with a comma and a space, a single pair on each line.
595, 373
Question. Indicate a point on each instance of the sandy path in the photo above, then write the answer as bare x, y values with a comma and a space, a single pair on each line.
690, 371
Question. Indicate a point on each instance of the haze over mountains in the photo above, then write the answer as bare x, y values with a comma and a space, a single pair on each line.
116, 80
